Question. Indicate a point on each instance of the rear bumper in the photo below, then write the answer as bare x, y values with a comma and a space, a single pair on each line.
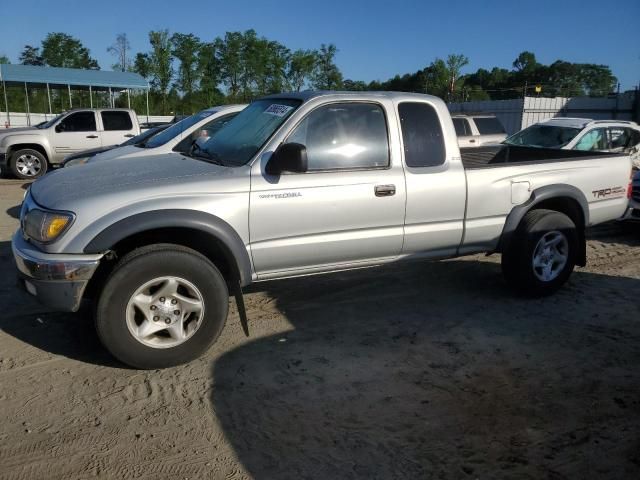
56, 280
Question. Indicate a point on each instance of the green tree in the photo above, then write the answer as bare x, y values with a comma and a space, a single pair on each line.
300, 68
436, 78
186, 48
4, 59
208, 68
161, 63
31, 56
326, 75
142, 65
598, 80
62, 50
354, 85
526, 62
229, 53
120, 49
454, 65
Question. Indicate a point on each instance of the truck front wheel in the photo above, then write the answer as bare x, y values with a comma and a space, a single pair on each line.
28, 164
163, 305
542, 254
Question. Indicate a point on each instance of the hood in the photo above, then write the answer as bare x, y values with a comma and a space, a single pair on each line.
115, 152
116, 183
12, 131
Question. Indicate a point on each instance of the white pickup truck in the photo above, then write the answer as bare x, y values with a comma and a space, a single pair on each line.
299, 184
28, 152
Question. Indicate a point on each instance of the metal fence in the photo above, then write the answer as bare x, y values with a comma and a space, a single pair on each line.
519, 113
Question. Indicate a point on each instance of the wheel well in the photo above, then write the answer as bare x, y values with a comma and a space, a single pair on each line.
197, 240
567, 205
32, 146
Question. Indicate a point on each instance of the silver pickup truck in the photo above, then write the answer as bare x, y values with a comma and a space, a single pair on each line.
28, 152
299, 184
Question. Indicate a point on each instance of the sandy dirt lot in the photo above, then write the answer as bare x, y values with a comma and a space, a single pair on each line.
430, 370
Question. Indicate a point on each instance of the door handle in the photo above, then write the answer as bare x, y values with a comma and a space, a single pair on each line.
385, 190
472, 141
129, 135
92, 136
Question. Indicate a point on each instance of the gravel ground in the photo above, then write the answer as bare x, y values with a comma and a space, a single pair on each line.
429, 370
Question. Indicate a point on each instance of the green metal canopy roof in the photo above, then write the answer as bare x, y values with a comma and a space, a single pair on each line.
71, 76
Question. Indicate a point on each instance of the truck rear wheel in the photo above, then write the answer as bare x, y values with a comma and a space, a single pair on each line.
28, 164
542, 254
162, 306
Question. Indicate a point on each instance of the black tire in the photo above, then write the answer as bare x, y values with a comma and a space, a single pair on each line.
141, 266
33, 155
518, 260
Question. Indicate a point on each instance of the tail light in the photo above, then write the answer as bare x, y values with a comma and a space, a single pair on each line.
630, 186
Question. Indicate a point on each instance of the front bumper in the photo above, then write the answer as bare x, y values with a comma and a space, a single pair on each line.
56, 280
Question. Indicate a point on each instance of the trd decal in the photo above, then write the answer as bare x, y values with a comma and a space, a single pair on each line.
609, 192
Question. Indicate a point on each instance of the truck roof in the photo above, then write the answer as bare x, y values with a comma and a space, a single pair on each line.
309, 94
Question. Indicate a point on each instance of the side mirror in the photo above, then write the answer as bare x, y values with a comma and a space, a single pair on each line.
288, 158
60, 127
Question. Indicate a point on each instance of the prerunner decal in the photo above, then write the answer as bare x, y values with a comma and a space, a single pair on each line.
278, 110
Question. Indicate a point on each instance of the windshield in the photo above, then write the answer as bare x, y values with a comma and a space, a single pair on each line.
50, 122
176, 129
240, 139
546, 136
143, 137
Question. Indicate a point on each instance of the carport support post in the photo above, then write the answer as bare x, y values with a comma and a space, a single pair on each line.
110, 98
147, 103
26, 96
6, 103
69, 89
49, 98
90, 97
128, 100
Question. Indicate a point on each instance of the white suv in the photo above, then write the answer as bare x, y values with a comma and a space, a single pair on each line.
582, 134
478, 130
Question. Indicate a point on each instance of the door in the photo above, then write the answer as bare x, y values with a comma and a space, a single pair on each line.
75, 132
117, 127
347, 209
465, 135
435, 181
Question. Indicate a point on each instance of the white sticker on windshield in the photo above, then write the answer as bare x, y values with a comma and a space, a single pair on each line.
278, 110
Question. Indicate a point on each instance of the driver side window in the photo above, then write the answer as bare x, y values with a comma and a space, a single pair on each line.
344, 136
593, 140
79, 122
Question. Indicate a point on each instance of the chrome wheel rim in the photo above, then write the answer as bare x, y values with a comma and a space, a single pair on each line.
28, 165
550, 256
165, 312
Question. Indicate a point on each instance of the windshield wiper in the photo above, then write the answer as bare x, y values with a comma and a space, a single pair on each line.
205, 155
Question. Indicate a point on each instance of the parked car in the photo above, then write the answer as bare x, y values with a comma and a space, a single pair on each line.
299, 184
581, 134
633, 212
178, 137
28, 152
139, 140
477, 130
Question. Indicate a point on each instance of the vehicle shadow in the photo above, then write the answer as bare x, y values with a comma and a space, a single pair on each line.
14, 212
437, 370
626, 233
68, 334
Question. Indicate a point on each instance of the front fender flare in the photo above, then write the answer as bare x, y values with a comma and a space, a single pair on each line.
219, 230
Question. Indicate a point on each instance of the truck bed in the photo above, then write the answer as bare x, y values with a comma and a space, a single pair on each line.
503, 155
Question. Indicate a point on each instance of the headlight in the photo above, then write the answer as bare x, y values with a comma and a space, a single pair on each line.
75, 161
45, 226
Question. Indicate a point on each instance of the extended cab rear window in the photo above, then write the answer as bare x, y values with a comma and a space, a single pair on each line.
488, 125
421, 135
116, 121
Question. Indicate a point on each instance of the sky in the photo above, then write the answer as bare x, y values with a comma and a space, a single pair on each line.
376, 39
